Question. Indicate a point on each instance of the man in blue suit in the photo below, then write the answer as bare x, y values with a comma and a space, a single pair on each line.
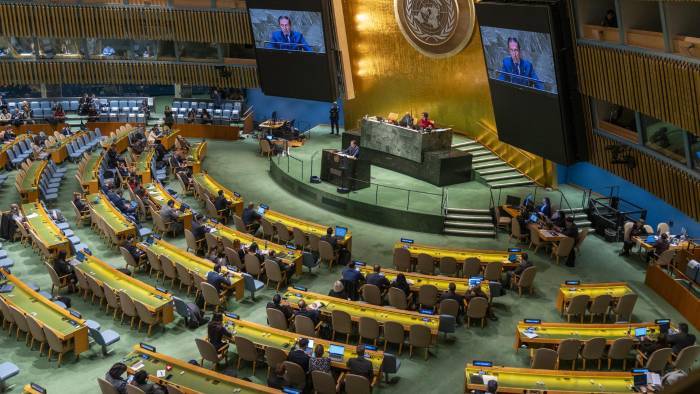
286, 38
353, 150
514, 65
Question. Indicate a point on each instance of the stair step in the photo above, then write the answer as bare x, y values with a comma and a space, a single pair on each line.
492, 171
482, 159
463, 144
483, 165
503, 177
501, 185
484, 226
575, 210
581, 215
473, 148
469, 218
480, 153
467, 211
469, 233
582, 223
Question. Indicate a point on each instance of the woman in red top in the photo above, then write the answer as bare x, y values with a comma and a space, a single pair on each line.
425, 122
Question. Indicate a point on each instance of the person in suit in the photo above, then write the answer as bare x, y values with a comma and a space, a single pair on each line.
360, 365
217, 334
160, 151
199, 230
546, 208
80, 203
310, 313
63, 267
135, 252
330, 238
636, 231
338, 290
406, 120
524, 264
217, 279
662, 244
558, 220
277, 304
353, 150
169, 214
141, 381
682, 339
571, 231
221, 203
335, 118
299, 356
518, 70
376, 278
286, 38
352, 275
451, 294
250, 217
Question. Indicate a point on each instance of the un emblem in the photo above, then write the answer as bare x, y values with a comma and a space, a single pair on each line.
436, 28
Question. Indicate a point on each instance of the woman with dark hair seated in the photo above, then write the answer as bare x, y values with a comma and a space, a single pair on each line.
114, 377
141, 381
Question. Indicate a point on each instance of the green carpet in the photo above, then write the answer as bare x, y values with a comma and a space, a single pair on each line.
237, 165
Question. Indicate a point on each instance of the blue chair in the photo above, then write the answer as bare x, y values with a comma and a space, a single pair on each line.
3, 254
448, 324
32, 285
176, 104
14, 160
182, 309
104, 338
6, 263
45, 294
93, 324
7, 370
252, 285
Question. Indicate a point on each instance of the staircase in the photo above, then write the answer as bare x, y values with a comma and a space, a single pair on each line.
580, 218
490, 169
468, 222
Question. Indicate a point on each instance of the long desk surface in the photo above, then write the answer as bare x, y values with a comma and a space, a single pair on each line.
518, 380
157, 193
89, 174
288, 256
196, 156
357, 309
416, 280
265, 336
28, 188
70, 329
121, 140
211, 186
156, 301
484, 255
193, 263
191, 379
100, 205
307, 227
593, 290
648, 246
59, 152
45, 229
142, 166
554, 333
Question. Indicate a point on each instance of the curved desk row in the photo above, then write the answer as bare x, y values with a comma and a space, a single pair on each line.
109, 219
47, 236
484, 255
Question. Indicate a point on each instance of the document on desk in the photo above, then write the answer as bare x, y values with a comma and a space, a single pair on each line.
32, 215
488, 378
530, 334
653, 379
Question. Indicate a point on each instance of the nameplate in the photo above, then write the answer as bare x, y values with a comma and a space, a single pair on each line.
640, 370
148, 347
236, 194
572, 282
162, 290
406, 241
264, 206
514, 250
300, 288
532, 321
360, 263
292, 247
75, 313
232, 315
37, 388
478, 363
662, 321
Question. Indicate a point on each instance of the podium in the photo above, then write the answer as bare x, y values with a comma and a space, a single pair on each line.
343, 171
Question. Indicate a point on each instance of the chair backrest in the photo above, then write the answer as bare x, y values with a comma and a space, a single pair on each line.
448, 266
211, 296
274, 356
515, 228
304, 325
272, 270
55, 279
356, 384
233, 258
131, 389
627, 231
625, 306
245, 348
240, 224
425, 264
568, 349
600, 304
578, 304
252, 264
323, 382
36, 330
314, 241
593, 348
449, 307
372, 294
95, 287
299, 237
282, 232
184, 275
325, 250
110, 296
153, 260
397, 298
620, 348
212, 243
472, 267
657, 361
341, 321
544, 359
5, 309
19, 318
535, 236
666, 257
528, 277
82, 280
493, 271
402, 259
144, 314
191, 240
477, 307
207, 350
648, 229
294, 375
368, 327
276, 319
127, 257
565, 246
106, 387
662, 228
394, 332
53, 340
127, 304
419, 335
428, 295
686, 357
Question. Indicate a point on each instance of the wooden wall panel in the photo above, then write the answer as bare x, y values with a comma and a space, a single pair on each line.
125, 22
102, 72
664, 88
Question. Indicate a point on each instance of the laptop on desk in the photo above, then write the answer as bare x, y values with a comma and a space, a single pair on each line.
513, 201
336, 352
341, 231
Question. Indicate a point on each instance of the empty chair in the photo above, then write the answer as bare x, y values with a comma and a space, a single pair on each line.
169, 270
449, 307
104, 338
128, 308
563, 248
526, 280
568, 351
368, 328
544, 359
294, 375
252, 265
356, 384
686, 357
305, 326
397, 298
273, 273
212, 296
425, 264
593, 350
515, 231
394, 333
246, 350
448, 266
154, 263
402, 259
276, 319
20, 323
185, 277
55, 344
427, 296
96, 289
656, 362
37, 334
251, 284
111, 298
625, 306
476, 309
492, 272
324, 382
472, 267
146, 316
341, 323
662, 228
577, 307
371, 294
600, 306
299, 238
274, 357
209, 353
419, 336
326, 253
620, 350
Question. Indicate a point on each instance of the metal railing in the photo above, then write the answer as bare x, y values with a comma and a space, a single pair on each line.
533, 191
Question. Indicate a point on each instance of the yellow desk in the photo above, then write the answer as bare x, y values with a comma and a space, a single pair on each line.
306, 226
484, 255
51, 238
512, 212
5, 147
28, 389
121, 140
641, 241
196, 156
519, 380
358, 309
190, 379
551, 334
102, 208
59, 152
210, 186
288, 256
88, 174
142, 166
264, 336
157, 194
28, 187
194, 264
168, 141
70, 329
593, 290
156, 301
416, 280
547, 235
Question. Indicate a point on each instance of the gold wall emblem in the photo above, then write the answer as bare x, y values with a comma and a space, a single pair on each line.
436, 28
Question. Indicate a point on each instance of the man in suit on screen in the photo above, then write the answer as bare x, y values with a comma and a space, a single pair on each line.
286, 38
515, 65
